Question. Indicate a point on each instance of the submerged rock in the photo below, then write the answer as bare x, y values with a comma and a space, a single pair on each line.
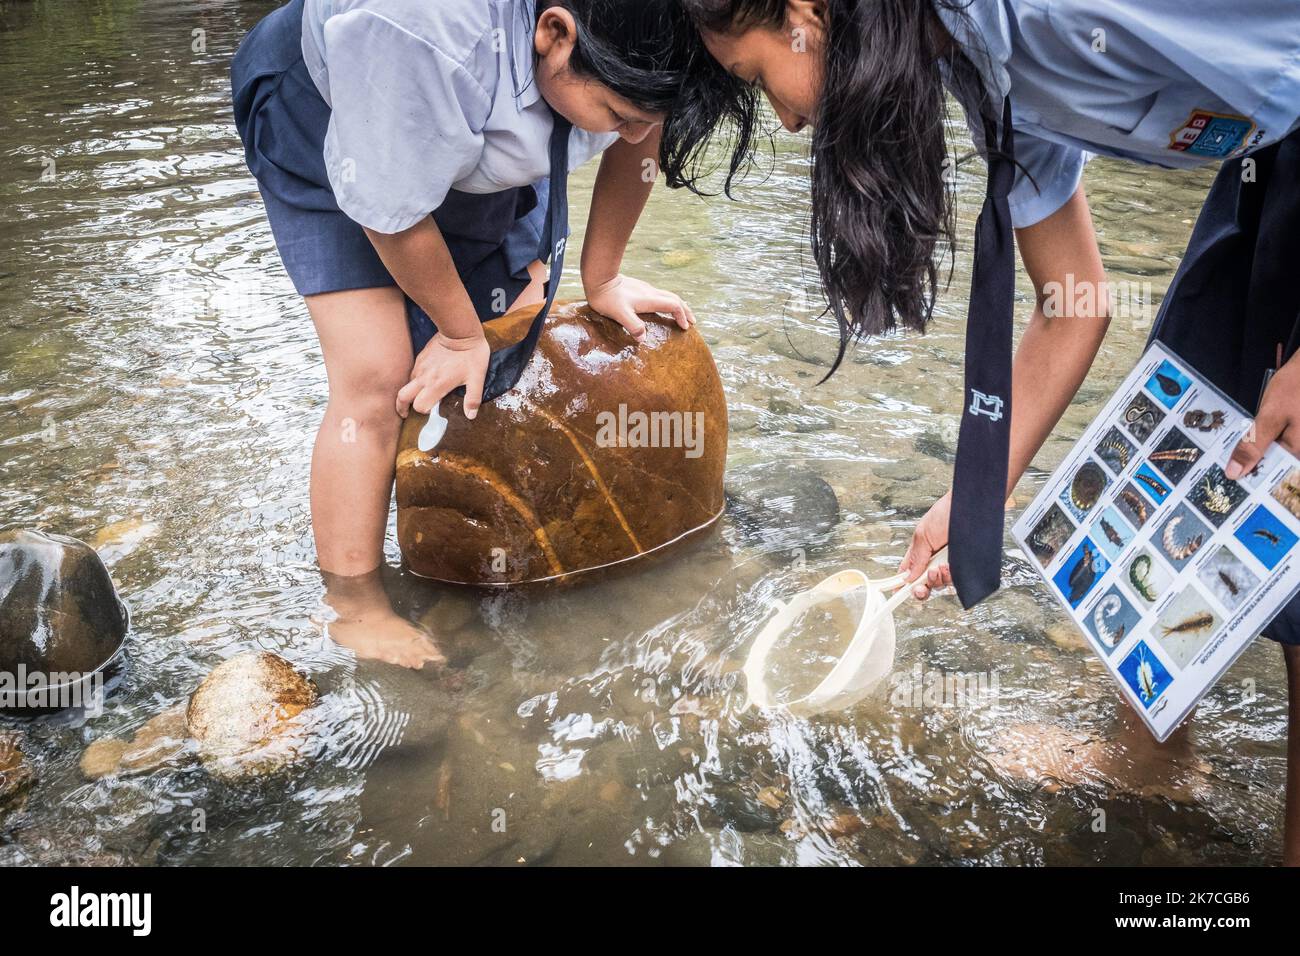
59, 612
243, 721
162, 740
15, 773
783, 504
243, 716
605, 452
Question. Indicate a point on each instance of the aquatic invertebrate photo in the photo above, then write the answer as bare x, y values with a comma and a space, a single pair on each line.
1169, 386
1287, 492
1086, 487
1139, 575
1115, 451
1084, 574
1176, 548
1112, 535
1227, 577
1135, 505
1109, 607
1196, 622
1204, 421
1268, 536
1158, 488
1216, 497
1146, 679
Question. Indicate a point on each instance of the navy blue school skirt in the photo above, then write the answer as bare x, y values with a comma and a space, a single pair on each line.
1235, 300
282, 119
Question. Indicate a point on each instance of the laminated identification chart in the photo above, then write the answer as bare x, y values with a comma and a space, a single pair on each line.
1169, 568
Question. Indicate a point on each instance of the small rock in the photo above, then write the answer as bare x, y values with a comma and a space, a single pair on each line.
242, 717
783, 503
449, 615
1066, 637
103, 758
843, 824
678, 258
162, 739
159, 741
15, 773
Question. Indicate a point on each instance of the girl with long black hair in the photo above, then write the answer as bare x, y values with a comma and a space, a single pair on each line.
412, 158
1043, 83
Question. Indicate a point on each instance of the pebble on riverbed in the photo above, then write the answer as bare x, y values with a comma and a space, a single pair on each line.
243, 721
160, 741
242, 717
15, 772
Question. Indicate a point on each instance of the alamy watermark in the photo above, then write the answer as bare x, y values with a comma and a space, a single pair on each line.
1089, 300
922, 688
636, 429
24, 689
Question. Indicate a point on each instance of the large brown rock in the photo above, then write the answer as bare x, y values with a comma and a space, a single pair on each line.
59, 612
605, 452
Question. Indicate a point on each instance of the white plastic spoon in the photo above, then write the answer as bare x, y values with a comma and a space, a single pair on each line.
433, 430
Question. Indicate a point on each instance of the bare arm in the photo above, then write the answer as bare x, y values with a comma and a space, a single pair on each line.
420, 262
1051, 363
1055, 352
628, 171
627, 176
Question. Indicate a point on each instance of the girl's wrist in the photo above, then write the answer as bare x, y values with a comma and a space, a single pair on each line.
593, 286
461, 343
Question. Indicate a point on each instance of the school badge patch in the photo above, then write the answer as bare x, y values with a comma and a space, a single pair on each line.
1212, 135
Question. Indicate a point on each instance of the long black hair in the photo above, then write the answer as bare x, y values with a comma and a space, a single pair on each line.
649, 53
882, 208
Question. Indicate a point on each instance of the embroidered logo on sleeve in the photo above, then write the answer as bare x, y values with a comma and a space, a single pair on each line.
1212, 135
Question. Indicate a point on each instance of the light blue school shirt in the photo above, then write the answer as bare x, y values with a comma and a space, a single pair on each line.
1180, 82
429, 96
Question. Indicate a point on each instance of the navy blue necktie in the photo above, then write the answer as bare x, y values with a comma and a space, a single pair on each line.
976, 523
507, 365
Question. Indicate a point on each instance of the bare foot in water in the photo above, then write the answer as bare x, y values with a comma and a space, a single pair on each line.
365, 623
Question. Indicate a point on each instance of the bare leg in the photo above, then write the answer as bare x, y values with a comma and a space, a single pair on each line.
368, 359
367, 350
1291, 833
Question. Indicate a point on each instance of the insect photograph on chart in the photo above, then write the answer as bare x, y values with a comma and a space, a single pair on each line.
1216, 496
1185, 626
1169, 384
1112, 533
1228, 579
1142, 417
1133, 506
1266, 537
1115, 451
1287, 492
1085, 488
1144, 674
1154, 486
1049, 535
1182, 536
1081, 572
1112, 620
1175, 455
1148, 576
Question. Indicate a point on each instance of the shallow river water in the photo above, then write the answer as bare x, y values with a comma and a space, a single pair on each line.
160, 385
